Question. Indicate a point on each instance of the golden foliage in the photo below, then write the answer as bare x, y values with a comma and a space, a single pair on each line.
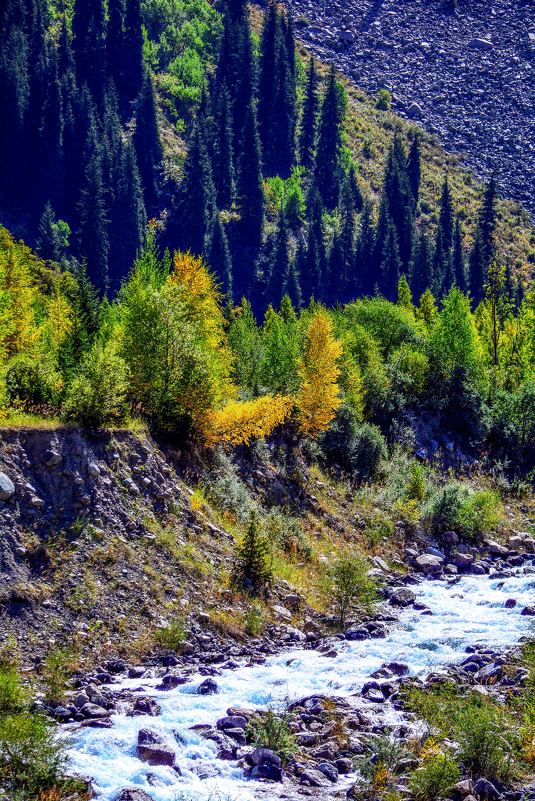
201, 297
317, 399
238, 423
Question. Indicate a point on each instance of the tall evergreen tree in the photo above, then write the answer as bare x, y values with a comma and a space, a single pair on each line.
421, 273
477, 269
51, 138
48, 246
89, 45
363, 278
218, 254
459, 267
197, 201
147, 140
93, 228
414, 167
244, 79
128, 218
329, 150
391, 264
314, 270
294, 279
309, 120
133, 49
399, 199
279, 263
223, 158
249, 184
115, 44
484, 247
446, 218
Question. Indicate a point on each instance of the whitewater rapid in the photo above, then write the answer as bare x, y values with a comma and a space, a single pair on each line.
469, 612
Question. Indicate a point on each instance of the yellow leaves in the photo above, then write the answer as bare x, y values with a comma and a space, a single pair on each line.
317, 399
200, 296
238, 423
59, 322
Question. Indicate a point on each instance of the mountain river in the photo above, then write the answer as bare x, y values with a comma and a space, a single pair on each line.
470, 611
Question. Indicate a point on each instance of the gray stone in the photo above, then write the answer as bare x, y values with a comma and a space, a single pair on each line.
329, 770
315, 778
52, 458
451, 538
528, 611
495, 549
156, 754
265, 755
480, 44
149, 737
7, 488
133, 794
266, 770
231, 722
415, 110
510, 603
402, 596
94, 711
429, 564
435, 552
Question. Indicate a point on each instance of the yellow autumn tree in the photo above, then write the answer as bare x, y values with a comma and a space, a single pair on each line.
317, 398
238, 423
18, 329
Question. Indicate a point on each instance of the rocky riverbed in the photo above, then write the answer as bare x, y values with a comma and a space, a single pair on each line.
468, 76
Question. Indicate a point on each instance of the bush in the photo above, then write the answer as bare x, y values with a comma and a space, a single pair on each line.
383, 100
485, 747
171, 636
32, 759
273, 733
368, 451
14, 697
338, 442
453, 507
33, 385
56, 671
438, 773
351, 585
97, 396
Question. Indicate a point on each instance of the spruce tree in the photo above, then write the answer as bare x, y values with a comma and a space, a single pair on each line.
446, 218
391, 264
294, 278
487, 221
249, 184
421, 273
133, 50
477, 270
314, 270
89, 45
309, 120
440, 266
223, 158
279, 263
364, 279
414, 167
218, 254
399, 199
51, 138
459, 267
243, 80
115, 44
147, 140
48, 246
197, 201
93, 228
343, 286
128, 218
329, 150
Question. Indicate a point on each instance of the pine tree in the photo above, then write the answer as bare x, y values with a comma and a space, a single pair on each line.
309, 121
440, 265
218, 254
329, 150
343, 288
89, 45
223, 159
249, 185
115, 44
133, 50
477, 270
446, 217
459, 267
364, 279
391, 264
128, 218
314, 270
147, 140
414, 167
92, 232
279, 263
421, 273
399, 199
487, 221
48, 246
51, 138
243, 79
197, 202
294, 279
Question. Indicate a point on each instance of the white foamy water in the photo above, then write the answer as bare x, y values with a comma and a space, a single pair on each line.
470, 612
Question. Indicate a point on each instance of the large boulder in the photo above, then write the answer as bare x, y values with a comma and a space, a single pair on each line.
7, 488
496, 549
429, 564
402, 596
156, 754
133, 794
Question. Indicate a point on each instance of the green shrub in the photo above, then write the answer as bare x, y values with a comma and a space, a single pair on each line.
273, 733
171, 636
55, 673
350, 585
453, 507
368, 451
434, 778
97, 396
32, 759
14, 697
33, 385
485, 746
383, 100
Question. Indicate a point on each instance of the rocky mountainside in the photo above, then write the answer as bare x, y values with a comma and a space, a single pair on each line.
466, 75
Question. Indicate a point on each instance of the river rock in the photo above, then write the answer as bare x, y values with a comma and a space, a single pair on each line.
156, 754
357, 633
146, 706
515, 542
149, 737
171, 681
265, 755
94, 711
136, 672
314, 778
529, 611
266, 770
529, 544
397, 668
329, 770
344, 765
429, 564
462, 561
486, 789
208, 687
451, 538
488, 674
7, 488
480, 44
402, 596
495, 548
133, 794
510, 603
231, 722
